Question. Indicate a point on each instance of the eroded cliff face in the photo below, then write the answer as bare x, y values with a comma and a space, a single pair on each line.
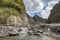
55, 14
12, 12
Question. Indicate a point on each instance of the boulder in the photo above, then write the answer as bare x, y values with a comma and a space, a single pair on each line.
39, 31
30, 32
13, 31
3, 31
38, 34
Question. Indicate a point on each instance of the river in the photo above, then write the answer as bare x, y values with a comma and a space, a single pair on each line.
24, 36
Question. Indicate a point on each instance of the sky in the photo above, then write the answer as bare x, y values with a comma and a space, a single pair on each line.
41, 8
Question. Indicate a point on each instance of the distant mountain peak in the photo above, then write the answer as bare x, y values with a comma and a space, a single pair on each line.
39, 19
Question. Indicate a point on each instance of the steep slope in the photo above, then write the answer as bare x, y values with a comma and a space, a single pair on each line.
36, 20
55, 14
39, 19
31, 21
14, 9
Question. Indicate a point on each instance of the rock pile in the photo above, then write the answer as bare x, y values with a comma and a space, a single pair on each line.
34, 31
9, 31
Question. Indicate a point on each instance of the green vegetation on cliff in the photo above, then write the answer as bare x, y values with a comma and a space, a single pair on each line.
55, 14
11, 7
5, 13
12, 3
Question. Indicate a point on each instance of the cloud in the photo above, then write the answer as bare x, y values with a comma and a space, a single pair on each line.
46, 11
41, 8
33, 5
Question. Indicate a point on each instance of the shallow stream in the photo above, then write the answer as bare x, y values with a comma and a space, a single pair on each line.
24, 36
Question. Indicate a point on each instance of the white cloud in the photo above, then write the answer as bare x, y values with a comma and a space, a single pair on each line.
41, 4
44, 14
33, 6
37, 1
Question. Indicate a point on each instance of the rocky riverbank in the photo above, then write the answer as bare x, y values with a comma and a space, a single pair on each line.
9, 31
45, 30
36, 30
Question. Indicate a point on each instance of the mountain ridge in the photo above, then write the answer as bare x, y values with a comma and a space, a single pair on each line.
55, 14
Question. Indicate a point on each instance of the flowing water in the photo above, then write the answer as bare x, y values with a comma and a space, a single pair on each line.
24, 36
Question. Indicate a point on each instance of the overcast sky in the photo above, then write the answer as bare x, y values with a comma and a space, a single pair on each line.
41, 8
